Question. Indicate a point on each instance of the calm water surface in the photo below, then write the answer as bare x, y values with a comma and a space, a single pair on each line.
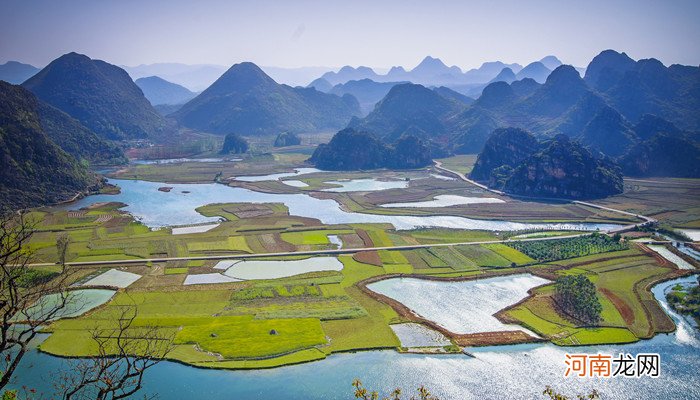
157, 209
513, 372
461, 307
365, 185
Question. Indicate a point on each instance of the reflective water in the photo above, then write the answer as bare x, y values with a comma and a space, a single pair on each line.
445, 200
461, 307
295, 183
183, 230
77, 302
274, 177
694, 234
206, 279
365, 185
443, 177
335, 239
417, 335
156, 209
254, 269
670, 256
113, 277
512, 372
181, 160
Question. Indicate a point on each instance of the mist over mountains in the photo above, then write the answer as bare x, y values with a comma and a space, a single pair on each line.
248, 101
16, 72
158, 91
100, 95
642, 115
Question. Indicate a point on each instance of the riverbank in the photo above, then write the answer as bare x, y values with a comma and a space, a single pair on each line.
492, 372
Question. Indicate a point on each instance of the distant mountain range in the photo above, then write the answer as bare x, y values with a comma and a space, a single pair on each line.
636, 88
247, 101
410, 109
641, 114
15, 72
198, 77
366, 91
44, 152
433, 72
617, 109
101, 96
194, 77
158, 91
564, 104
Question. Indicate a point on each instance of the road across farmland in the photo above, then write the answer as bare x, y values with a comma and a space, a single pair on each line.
646, 220
302, 253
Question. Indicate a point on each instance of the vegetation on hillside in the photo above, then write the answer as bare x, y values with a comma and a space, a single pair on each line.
246, 100
285, 139
101, 96
33, 169
664, 154
352, 150
513, 161
565, 169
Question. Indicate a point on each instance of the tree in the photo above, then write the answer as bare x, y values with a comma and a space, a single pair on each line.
553, 395
287, 139
125, 350
235, 144
29, 298
62, 243
577, 297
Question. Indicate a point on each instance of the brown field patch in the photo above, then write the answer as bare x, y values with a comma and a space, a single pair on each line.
623, 308
365, 238
660, 321
494, 338
368, 257
351, 241
273, 243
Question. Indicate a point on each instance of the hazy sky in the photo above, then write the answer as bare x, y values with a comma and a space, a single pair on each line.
355, 32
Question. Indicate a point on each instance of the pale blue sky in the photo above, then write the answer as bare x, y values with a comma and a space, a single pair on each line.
358, 32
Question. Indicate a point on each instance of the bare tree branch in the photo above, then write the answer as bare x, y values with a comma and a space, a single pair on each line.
125, 351
28, 299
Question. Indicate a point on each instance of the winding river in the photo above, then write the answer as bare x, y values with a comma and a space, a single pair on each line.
158, 209
512, 372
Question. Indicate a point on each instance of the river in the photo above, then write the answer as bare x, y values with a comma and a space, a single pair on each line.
157, 209
513, 372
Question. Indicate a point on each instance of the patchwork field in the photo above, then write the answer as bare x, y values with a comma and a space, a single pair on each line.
263, 323
672, 201
622, 280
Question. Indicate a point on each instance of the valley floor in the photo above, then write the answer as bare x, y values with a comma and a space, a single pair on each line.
220, 320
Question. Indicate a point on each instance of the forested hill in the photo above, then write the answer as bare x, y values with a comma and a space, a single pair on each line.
33, 169
514, 161
101, 96
247, 101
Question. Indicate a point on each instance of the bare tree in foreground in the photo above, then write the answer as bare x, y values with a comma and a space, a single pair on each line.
125, 351
29, 298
